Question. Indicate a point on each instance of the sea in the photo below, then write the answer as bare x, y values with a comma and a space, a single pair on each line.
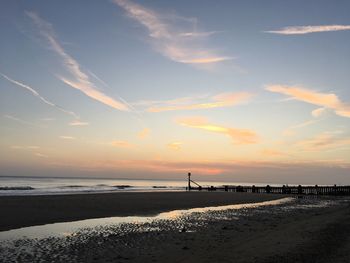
55, 186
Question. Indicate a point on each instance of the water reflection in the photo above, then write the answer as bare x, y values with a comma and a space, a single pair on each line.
178, 217
120, 237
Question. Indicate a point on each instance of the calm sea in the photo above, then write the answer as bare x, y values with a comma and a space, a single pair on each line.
46, 185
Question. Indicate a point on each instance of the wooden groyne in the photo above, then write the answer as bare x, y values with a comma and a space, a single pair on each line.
285, 189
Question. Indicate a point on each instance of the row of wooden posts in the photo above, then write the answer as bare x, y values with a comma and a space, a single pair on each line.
285, 189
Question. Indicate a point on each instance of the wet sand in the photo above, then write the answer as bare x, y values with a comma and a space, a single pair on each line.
22, 211
305, 230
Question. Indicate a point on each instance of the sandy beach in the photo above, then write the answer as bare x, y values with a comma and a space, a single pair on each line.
301, 230
22, 211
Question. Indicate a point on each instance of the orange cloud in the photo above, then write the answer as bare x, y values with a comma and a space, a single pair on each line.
273, 153
326, 100
158, 166
175, 145
239, 136
220, 100
143, 133
228, 167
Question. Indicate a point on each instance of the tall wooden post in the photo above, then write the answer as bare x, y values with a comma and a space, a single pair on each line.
189, 181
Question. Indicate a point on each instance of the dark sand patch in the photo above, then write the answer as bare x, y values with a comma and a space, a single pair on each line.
22, 211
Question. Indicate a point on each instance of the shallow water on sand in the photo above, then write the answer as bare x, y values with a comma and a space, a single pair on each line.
69, 241
68, 228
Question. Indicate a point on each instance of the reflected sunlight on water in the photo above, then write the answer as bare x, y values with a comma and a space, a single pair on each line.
68, 228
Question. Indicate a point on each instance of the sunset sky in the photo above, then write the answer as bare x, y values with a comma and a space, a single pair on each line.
247, 91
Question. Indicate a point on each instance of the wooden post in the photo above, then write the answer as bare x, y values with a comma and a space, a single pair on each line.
189, 181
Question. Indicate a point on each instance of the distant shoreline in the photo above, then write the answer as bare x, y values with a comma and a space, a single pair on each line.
90, 178
24, 211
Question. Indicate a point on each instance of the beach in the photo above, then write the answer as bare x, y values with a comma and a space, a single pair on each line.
22, 211
311, 229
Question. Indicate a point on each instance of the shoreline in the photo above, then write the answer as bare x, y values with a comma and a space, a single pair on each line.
25, 211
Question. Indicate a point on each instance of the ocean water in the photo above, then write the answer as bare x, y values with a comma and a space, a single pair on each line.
54, 186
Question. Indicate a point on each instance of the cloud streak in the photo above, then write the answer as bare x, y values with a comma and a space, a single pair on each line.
170, 39
302, 30
290, 131
64, 137
122, 144
238, 136
324, 141
78, 123
10, 117
218, 101
325, 100
36, 94
79, 80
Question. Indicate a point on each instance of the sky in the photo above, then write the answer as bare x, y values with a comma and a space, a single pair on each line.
241, 91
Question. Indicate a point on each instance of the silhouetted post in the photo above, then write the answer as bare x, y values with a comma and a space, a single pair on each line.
253, 189
268, 189
189, 181
300, 190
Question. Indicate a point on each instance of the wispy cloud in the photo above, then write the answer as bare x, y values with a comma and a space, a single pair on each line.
10, 117
239, 136
301, 30
41, 155
176, 146
318, 112
290, 131
36, 94
324, 141
187, 103
123, 144
64, 137
79, 80
325, 100
171, 38
29, 147
144, 133
47, 119
78, 123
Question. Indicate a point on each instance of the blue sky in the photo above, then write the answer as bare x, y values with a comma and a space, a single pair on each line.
231, 90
